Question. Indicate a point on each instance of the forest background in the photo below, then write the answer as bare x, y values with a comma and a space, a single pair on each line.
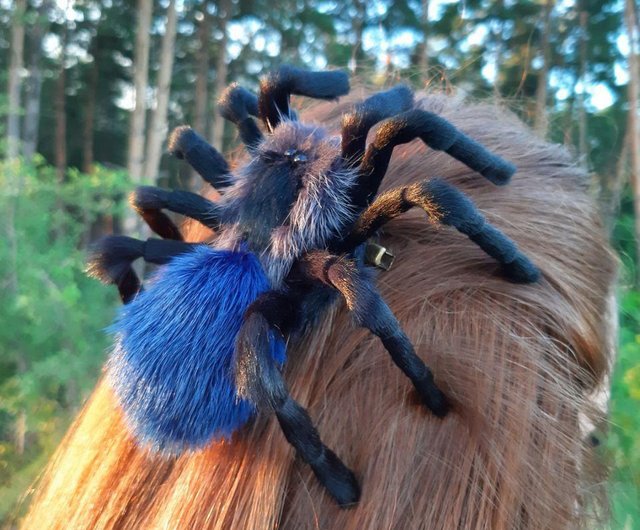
89, 89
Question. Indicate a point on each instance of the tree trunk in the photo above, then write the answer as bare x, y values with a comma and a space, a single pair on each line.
388, 59
568, 125
200, 108
15, 79
634, 130
615, 187
20, 431
217, 131
499, 45
94, 229
423, 59
90, 111
202, 72
135, 161
20, 427
582, 111
158, 129
60, 140
14, 183
540, 120
355, 64
34, 85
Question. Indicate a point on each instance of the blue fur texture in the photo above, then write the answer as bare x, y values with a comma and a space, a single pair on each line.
172, 365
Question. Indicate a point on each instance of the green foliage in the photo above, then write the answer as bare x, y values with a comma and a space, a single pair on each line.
624, 435
624, 237
52, 344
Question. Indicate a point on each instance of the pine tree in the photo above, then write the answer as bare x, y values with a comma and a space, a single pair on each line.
15, 79
158, 128
135, 163
224, 14
631, 19
39, 26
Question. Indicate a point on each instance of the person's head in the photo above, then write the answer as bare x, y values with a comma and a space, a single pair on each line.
519, 362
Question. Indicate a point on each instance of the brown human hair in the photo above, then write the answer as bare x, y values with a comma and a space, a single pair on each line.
519, 362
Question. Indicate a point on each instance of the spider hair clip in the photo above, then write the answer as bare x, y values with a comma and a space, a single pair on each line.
200, 350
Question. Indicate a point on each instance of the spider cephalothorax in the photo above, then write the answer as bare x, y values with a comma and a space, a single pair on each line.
291, 196
200, 350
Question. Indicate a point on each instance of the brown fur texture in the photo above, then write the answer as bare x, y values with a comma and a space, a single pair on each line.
519, 362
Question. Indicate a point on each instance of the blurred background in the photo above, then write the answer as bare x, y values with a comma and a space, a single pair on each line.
90, 88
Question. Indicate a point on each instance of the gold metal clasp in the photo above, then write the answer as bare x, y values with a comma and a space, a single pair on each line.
378, 256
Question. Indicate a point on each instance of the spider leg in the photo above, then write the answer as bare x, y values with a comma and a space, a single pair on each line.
258, 379
149, 201
437, 133
371, 311
444, 204
277, 86
237, 105
185, 143
356, 124
110, 260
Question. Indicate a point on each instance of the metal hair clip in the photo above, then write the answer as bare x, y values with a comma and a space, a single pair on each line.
378, 256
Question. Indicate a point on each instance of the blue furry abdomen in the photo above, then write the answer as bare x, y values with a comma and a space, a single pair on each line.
172, 365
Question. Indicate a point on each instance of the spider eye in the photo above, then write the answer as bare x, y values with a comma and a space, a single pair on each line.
295, 157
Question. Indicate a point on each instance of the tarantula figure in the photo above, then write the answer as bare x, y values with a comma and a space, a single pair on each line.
200, 349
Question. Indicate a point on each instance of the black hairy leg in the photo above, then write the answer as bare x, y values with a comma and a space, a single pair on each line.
258, 379
237, 105
435, 132
186, 144
371, 311
110, 260
149, 202
276, 88
444, 204
356, 124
